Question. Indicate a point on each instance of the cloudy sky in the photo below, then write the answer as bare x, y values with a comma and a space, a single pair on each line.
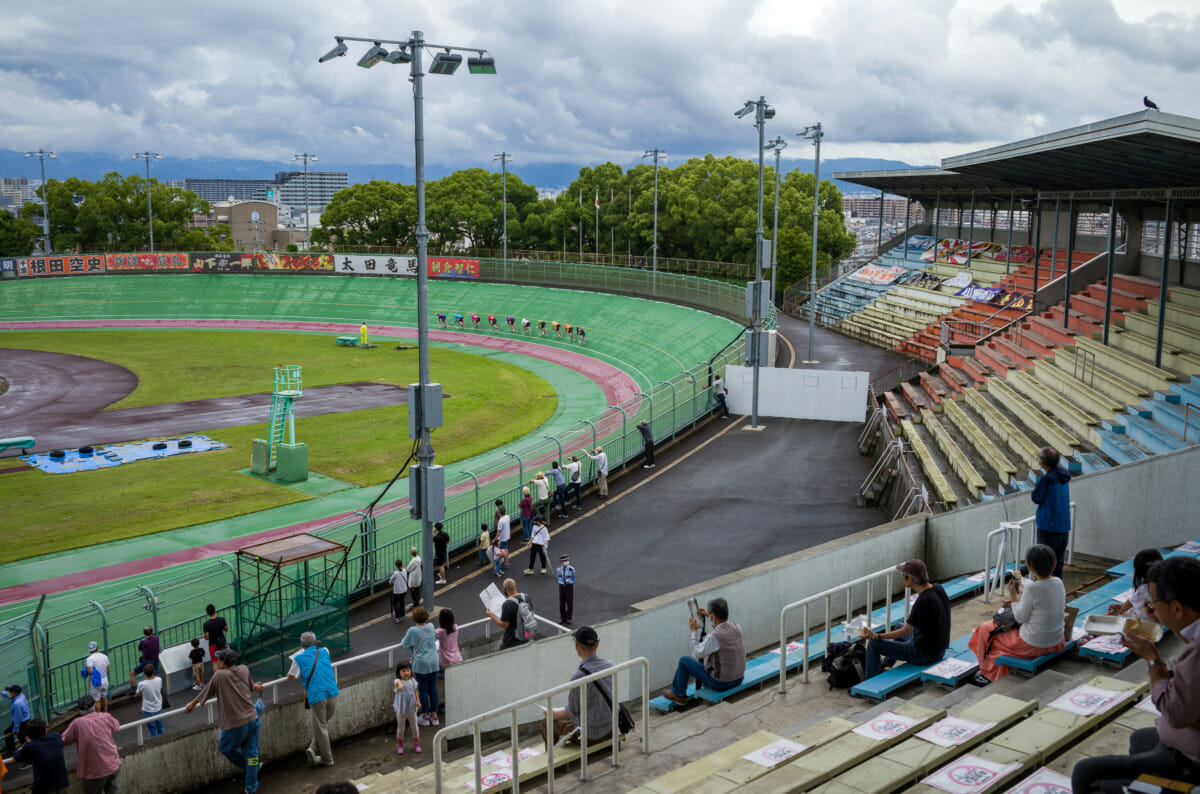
583, 82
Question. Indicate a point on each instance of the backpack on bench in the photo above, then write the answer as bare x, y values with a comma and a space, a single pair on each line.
845, 662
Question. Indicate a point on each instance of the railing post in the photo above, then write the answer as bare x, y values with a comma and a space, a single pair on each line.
520, 467
592, 425
624, 430
151, 604
103, 623
672, 385
559, 445
476, 479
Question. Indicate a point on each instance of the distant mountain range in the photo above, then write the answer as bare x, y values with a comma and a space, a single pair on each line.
551, 177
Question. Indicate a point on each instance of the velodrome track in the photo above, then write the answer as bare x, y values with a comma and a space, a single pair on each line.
633, 343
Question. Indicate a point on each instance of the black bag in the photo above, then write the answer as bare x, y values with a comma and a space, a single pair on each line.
845, 662
625, 723
1005, 622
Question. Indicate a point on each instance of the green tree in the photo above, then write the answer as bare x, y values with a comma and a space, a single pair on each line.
18, 236
374, 213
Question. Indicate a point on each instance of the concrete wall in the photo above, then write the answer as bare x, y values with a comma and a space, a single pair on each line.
826, 395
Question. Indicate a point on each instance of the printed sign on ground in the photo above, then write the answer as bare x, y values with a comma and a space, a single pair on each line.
968, 774
952, 668
1044, 781
888, 725
1087, 700
775, 753
953, 731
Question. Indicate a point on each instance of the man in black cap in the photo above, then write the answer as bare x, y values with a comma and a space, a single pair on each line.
566, 589
924, 637
569, 722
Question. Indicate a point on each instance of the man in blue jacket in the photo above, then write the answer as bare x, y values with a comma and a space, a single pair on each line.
314, 669
1052, 495
20, 714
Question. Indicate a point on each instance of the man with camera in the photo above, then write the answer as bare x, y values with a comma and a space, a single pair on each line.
717, 662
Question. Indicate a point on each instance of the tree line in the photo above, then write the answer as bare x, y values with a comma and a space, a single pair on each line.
111, 215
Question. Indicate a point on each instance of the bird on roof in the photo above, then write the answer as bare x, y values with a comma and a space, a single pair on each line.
1148, 102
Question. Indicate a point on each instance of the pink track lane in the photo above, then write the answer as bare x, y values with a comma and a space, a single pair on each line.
618, 388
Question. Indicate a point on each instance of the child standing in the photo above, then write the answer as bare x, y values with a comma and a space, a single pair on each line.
151, 691
485, 543
406, 703
196, 657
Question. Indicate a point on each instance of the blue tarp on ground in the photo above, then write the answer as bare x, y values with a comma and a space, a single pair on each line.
110, 455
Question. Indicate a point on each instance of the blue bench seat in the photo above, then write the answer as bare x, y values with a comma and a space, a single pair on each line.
1031, 666
887, 682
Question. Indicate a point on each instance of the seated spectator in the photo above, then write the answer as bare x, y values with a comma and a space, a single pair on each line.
1135, 607
717, 662
44, 752
1039, 613
1170, 749
568, 722
924, 637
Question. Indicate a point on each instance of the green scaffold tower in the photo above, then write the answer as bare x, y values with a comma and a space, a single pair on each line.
280, 454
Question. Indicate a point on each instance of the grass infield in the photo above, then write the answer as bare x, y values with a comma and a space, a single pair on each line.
491, 403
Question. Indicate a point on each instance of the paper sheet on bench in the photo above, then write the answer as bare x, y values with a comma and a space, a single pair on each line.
1087, 700
501, 758
1191, 547
953, 731
489, 780
1147, 705
775, 753
492, 599
1044, 781
952, 668
968, 774
888, 725
1106, 643
1123, 596
790, 648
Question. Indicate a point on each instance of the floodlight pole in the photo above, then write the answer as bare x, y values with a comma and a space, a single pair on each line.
815, 134
305, 156
762, 111
149, 202
656, 154
504, 157
413, 48
41, 155
779, 144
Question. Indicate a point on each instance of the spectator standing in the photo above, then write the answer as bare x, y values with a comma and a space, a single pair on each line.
601, 459
722, 394
416, 577
421, 639
925, 636
541, 501
509, 616
236, 716
647, 443
1052, 495
503, 531
717, 662
97, 765
97, 662
566, 589
569, 721
575, 480
44, 752
399, 582
196, 657
313, 668
406, 702
537, 546
150, 651
1039, 614
150, 690
526, 508
214, 633
485, 543
560, 489
20, 713
1170, 749
362, 334
441, 552
447, 641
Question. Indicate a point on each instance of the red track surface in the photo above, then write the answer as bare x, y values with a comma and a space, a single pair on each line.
617, 386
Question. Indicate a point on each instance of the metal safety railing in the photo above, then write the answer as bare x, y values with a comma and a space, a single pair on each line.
546, 696
1010, 546
826, 597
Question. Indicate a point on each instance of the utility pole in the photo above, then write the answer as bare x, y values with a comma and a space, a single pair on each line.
815, 134
504, 157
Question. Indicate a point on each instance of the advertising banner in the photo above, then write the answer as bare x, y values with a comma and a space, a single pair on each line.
1021, 301
269, 260
874, 274
444, 267
164, 261
8, 266
222, 262
979, 294
376, 265
948, 250
81, 265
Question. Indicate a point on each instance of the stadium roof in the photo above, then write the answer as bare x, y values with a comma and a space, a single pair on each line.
1148, 150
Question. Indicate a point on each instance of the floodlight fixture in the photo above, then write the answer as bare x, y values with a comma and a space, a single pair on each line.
400, 55
445, 63
336, 52
746, 109
372, 56
148, 156
481, 64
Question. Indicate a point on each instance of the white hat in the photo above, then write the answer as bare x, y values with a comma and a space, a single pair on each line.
93, 647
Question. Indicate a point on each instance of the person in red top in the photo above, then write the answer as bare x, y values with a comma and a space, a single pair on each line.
98, 764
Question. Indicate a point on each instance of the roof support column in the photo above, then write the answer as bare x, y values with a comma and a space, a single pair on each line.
1054, 245
1185, 229
1012, 196
1070, 252
992, 234
1162, 285
971, 231
937, 209
958, 233
879, 236
1112, 244
1037, 250
907, 204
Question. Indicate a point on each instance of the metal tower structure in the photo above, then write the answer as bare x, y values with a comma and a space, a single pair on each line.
287, 388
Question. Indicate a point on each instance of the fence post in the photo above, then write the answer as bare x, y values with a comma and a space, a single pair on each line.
592, 425
672, 385
152, 602
476, 479
520, 467
559, 445
103, 623
624, 430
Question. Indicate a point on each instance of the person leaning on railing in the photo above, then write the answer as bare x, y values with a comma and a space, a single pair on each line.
236, 715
